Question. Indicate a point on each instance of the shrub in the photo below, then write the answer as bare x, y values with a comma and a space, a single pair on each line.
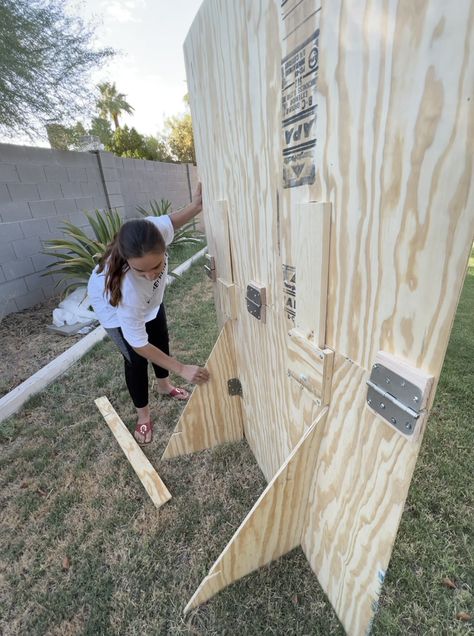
77, 254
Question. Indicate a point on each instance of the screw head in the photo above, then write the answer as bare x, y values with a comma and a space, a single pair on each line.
415, 398
408, 426
387, 380
369, 401
382, 405
393, 420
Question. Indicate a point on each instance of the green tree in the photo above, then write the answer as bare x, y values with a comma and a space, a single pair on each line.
180, 138
63, 137
58, 136
45, 59
127, 142
112, 103
157, 149
102, 129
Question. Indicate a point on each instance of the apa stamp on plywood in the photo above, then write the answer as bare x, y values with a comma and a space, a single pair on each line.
289, 292
299, 76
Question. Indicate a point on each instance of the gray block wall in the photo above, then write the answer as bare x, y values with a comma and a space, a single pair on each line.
42, 188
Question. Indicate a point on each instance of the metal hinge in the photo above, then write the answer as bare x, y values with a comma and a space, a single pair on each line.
255, 298
234, 386
394, 398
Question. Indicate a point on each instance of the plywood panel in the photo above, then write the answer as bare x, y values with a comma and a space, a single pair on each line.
150, 479
396, 160
395, 123
365, 107
211, 416
240, 155
273, 527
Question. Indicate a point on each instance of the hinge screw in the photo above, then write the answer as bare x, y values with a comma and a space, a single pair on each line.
408, 426
415, 399
387, 380
369, 401
393, 420
382, 405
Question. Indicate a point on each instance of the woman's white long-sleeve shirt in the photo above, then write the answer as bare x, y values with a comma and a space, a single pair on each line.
141, 298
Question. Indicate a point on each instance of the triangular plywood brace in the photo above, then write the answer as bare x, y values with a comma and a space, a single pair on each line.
212, 416
275, 524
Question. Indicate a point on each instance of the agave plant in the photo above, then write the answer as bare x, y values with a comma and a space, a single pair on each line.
156, 209
185, 235
77, 254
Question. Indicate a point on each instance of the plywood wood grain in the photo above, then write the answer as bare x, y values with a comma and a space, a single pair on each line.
313, 222
273, 527
211, 416
362, 110
150, 479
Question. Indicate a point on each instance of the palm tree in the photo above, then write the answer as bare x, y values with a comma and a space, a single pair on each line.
111, 103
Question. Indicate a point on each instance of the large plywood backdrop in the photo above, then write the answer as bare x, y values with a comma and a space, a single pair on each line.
334, 141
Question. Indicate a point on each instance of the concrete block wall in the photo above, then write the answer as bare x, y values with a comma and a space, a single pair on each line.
42, 188
144, 181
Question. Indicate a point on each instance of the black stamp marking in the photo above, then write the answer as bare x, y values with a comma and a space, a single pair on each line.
299, 78
289, 292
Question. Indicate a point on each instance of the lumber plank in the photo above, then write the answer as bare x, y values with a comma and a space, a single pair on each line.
150, 479
310, 366
211, 416
274, 525
227, 293
313, 222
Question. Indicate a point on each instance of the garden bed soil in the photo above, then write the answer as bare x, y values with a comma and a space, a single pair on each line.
27, 345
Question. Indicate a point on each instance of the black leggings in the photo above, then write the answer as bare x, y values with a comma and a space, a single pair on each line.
136, 366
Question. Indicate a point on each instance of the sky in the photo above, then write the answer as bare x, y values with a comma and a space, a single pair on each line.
150, 68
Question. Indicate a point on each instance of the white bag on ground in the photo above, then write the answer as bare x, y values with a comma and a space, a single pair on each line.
73, 309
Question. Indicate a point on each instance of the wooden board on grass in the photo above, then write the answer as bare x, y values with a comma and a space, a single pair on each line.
150, 479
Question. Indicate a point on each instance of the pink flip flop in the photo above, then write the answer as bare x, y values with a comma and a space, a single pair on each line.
145, 429
177, 394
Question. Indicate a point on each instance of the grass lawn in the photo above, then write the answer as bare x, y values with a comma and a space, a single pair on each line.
84, 551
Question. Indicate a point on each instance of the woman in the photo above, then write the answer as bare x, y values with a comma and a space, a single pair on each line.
126, 291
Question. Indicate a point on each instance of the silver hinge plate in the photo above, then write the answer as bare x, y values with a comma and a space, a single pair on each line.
234, 386
394, 398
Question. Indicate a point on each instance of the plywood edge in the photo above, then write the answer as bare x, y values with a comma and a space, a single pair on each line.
150, 479
211, 416
275, 524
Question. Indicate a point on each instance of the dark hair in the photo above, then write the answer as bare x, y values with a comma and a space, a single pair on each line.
134, 239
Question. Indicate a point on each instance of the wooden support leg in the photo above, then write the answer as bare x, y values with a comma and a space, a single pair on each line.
275, 524
150, 479
212, 416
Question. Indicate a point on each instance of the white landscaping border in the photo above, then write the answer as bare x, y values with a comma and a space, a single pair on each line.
14, 400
